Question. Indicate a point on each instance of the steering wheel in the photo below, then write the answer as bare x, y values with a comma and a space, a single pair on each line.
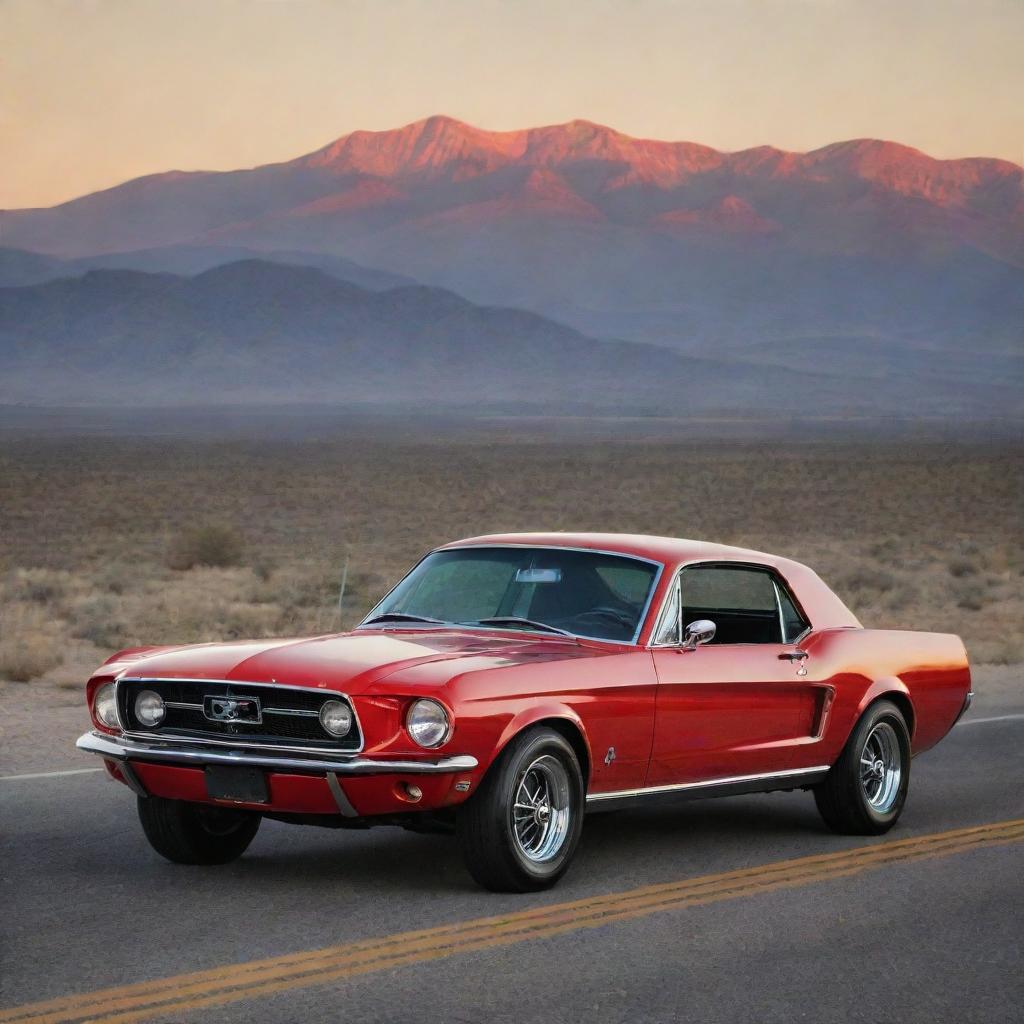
606, 611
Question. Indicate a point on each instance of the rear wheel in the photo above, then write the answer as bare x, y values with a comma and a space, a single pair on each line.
188, 833
520, 830
866, 789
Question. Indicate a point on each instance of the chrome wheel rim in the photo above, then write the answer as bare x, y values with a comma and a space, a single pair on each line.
541, 815
881, 767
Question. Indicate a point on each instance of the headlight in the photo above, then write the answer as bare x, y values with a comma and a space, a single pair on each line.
149, 708
104, 707
336, 717
427, 723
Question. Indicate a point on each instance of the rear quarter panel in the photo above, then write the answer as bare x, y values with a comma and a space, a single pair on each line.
929, 670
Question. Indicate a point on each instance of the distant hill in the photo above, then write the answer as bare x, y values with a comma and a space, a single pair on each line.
18, 267
262, 332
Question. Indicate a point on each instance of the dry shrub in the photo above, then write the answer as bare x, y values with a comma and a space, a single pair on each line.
960, 567
210, 545
114, 577
887, 548
363, 590
250, 621
263, 569
971, 595
41, 586
902, 596
305, 586
100, 619
209, 604
30, 644
865, 581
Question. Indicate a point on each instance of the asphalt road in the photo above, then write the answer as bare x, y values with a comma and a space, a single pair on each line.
914, 929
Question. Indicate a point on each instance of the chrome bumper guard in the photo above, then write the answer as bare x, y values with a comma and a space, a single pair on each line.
120, 748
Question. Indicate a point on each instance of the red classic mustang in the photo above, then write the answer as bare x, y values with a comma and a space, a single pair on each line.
509, 683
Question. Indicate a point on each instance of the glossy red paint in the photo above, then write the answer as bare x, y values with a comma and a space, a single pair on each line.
640, 715
370, 795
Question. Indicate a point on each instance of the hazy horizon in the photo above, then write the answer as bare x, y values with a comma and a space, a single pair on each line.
101, 93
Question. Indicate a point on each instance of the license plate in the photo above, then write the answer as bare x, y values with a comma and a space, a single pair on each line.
243, 785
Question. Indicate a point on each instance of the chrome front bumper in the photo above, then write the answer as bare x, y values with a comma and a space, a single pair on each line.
122, 748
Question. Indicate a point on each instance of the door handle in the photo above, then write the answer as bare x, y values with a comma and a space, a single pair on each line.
797, 655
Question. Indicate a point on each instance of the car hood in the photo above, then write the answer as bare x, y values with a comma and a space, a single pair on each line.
355, 662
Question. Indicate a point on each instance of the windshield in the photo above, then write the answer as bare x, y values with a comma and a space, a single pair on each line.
586, 593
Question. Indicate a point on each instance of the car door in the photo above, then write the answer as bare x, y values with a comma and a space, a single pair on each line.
749, 702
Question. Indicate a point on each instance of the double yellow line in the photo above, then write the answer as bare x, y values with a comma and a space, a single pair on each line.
220, 985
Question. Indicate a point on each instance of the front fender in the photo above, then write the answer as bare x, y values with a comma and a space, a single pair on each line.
539, 713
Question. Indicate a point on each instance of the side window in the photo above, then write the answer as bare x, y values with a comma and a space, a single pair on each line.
793, 623
740, 600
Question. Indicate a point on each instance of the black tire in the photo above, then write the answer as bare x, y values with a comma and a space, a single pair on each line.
487, 836
843, 799
188, 833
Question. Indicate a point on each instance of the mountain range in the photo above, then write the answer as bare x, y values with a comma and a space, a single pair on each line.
865, 263
256, 332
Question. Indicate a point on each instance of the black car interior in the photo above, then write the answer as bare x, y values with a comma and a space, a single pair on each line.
742, 603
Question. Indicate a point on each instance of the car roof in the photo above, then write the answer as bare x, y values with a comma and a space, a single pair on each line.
669, 550
820, 604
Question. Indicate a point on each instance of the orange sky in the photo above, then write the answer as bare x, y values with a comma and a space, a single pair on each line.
93, 92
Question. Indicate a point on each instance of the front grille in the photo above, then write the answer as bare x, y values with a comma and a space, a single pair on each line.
288, 717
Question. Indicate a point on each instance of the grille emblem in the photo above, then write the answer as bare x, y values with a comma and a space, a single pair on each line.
233, 709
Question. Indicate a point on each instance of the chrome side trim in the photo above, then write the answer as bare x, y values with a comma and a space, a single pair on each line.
661, 620
344, 806
682, 787
125, 748
185, 706
828, 696
456, 546
295, 747
778, 609
968, 700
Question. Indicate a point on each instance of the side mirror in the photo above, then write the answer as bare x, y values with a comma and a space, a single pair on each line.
700, 632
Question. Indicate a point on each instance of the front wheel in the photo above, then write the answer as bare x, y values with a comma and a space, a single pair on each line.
188, 833
520, 830
864, 792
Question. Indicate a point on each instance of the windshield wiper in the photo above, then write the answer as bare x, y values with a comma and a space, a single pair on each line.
516, 620
403, 617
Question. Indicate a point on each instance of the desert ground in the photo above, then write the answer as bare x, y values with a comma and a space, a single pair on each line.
108, 542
